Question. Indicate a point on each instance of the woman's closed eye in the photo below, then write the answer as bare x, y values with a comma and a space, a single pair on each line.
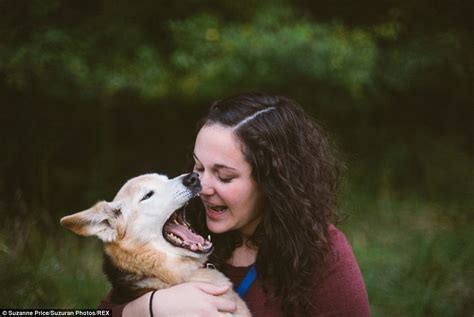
222, 178
225, 178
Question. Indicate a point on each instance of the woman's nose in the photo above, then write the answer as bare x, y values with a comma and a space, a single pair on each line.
206, 183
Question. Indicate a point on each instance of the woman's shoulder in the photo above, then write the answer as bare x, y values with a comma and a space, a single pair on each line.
338, 241
340, 288
340, 256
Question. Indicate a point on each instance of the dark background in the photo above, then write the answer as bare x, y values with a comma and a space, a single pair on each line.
95, 92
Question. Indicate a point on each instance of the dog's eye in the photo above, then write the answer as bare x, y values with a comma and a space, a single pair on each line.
148, 195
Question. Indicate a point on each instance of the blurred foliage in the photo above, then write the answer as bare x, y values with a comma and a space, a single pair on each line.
274, 48
97, 48
95, 92
205, 54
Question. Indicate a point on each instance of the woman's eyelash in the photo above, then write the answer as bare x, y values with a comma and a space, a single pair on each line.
221, 179
225, 180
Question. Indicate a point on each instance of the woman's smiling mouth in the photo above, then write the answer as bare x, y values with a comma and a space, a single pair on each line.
217, 208
215, 212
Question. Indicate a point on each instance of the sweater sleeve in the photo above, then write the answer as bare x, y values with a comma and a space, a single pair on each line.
341, 289
106, 303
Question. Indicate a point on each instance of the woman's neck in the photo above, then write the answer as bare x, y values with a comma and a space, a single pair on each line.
244, 255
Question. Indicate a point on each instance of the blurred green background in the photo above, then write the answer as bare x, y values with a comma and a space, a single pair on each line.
94, 92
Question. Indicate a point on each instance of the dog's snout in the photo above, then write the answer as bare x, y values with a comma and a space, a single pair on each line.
192, 181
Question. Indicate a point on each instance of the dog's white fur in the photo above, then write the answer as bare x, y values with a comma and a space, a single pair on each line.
138, 256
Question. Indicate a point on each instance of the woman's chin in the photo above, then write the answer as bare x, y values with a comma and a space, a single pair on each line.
217, 226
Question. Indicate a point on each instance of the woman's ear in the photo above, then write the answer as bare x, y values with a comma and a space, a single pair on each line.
100, 220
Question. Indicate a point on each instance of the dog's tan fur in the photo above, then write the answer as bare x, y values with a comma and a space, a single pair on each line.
137, 258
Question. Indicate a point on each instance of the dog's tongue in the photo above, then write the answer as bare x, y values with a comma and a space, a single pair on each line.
184, 233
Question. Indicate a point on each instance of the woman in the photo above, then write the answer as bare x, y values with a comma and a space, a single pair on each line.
269, 182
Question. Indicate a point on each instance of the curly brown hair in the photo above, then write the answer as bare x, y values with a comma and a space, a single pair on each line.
297, 173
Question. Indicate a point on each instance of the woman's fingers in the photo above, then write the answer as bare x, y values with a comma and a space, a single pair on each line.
222, 304
193, 299
212, 289
225, 305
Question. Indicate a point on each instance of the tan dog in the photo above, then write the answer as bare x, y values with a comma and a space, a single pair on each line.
148, 244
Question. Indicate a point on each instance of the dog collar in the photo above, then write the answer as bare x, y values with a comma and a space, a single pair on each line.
210, 266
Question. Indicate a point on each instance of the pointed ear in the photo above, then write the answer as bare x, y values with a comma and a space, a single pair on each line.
102, 220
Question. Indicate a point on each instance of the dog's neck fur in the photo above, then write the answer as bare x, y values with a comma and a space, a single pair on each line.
134, 271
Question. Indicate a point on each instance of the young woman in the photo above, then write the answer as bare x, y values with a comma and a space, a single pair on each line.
269, 181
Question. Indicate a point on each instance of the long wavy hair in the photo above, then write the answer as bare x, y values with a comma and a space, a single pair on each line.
297, 173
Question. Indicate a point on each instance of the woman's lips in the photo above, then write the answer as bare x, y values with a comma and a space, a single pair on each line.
214, 211
215, 214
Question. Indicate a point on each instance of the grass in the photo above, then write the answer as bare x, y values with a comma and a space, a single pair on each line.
417, 259
49, 271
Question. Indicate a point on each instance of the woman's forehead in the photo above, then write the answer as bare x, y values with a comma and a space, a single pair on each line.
218, 145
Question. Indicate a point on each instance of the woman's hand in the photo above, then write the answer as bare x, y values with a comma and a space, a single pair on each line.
187, 299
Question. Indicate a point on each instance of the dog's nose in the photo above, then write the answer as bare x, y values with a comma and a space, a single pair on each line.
192, 180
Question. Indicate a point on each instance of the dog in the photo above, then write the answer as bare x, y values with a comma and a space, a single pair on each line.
148, 244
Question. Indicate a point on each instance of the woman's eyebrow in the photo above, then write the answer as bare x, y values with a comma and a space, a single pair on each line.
216, 166
219, 166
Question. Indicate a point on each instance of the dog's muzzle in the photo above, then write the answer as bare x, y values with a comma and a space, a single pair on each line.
192, 182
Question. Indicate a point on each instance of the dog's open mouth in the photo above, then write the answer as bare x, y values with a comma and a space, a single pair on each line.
179, 233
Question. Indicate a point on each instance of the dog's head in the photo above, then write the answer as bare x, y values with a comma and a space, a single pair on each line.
147, 209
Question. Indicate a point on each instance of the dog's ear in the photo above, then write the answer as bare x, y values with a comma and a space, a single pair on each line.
103, 220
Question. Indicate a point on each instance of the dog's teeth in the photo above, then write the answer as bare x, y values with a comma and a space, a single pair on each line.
174, 238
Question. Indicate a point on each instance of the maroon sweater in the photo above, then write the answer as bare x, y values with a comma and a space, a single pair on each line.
339, 292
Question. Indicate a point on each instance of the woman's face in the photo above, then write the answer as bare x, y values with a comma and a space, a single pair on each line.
230, 195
